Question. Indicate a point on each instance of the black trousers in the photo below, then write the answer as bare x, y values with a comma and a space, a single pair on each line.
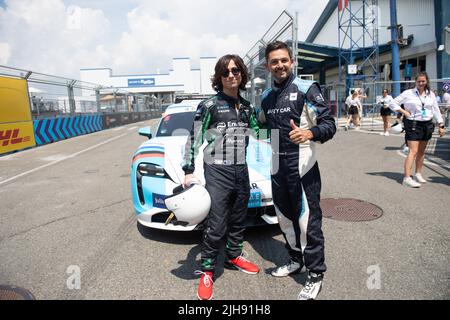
229, 188
297, 203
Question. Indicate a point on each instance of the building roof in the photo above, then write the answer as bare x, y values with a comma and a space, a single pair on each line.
312, 57
326, 14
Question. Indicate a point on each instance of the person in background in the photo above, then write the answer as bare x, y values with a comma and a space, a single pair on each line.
446, 102
385, 111
359, 102
347, 103
353, 111
446, 99
438, 98
420, 108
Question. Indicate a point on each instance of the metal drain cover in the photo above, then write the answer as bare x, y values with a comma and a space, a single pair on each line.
15, 293
350, 210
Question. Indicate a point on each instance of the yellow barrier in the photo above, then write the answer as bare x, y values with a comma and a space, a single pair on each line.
16, 125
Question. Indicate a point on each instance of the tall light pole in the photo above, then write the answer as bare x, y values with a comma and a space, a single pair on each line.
394, 49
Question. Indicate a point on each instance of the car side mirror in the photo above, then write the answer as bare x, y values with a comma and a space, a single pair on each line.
146, 132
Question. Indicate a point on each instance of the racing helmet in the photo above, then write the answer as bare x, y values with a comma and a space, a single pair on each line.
396, 128
190, 205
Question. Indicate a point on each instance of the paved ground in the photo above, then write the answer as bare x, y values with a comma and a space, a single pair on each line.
69, 204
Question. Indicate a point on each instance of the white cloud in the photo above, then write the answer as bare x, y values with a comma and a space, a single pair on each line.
5, 53
160, 30
60, 37
45, 36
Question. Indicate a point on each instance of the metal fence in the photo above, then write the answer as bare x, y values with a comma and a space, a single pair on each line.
283, 29
335, 94
54, 96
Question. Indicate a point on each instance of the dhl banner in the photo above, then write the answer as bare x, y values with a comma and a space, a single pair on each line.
16, 126
15, 136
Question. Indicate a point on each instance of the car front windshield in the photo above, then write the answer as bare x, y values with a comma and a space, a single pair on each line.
176, 124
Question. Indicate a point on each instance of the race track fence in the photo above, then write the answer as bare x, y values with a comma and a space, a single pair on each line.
60, 108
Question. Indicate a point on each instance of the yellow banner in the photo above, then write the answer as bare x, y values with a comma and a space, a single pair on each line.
15, 136
14, 100
16, 125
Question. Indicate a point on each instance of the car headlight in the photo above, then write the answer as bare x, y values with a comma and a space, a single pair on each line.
150, 169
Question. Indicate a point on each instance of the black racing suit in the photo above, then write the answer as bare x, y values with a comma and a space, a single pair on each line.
296, 180
225, 169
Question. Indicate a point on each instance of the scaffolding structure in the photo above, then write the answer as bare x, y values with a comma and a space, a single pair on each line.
358, 40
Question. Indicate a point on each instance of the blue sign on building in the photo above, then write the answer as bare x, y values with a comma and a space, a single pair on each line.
141, 82
407, 73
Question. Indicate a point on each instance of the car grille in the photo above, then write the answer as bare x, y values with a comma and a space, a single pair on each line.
258, 212
162, 218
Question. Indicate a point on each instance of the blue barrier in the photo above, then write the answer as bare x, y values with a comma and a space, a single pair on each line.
55, 129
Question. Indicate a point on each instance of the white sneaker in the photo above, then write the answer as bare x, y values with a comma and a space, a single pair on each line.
290, 267
386, 133
420, 178
312, 287
409, 182
381, 133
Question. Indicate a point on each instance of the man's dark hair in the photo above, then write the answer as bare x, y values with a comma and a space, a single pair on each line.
276, 45
222, 66
386, 90
352, 91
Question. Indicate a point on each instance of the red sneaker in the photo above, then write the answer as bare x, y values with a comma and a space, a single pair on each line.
205, 287
240, 263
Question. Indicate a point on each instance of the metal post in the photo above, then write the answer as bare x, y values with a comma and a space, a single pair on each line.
394, 48
71, 97
252, 72
115, 101
295, 43
97, 99
351, 60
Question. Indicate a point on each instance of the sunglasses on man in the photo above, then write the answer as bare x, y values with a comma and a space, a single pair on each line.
235, 71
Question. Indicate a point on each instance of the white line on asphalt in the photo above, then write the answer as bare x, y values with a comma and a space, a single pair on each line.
53, 157
62, 159
117, 129
132, 128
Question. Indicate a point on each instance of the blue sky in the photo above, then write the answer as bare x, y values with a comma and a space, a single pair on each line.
135, 36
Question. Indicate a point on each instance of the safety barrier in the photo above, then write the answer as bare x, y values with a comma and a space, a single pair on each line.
55, 129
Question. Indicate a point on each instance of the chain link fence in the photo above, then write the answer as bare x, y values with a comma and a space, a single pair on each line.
372, 107
335, 94
53, 96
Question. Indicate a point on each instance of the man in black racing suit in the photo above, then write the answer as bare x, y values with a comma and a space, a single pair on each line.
224, 122
298, 111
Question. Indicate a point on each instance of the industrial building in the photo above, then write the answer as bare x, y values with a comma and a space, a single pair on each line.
422, 26
181, 79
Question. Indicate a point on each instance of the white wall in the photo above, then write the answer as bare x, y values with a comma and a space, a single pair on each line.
180, 79
431, 65
207, 65
416, 16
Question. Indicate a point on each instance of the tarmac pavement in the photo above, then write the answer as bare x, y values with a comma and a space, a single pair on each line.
67, 206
